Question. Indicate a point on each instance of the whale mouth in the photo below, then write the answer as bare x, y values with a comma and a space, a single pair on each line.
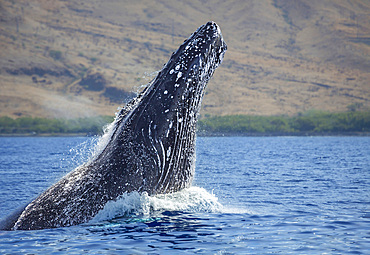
192, 66
211, 42
203, 51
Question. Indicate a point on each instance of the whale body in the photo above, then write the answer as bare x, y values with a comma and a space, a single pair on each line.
151, 144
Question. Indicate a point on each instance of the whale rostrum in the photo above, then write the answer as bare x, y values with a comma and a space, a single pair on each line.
151, 143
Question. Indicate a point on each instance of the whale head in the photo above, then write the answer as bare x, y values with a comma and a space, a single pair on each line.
160, 124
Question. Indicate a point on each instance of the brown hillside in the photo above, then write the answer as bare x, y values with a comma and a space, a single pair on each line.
83, 58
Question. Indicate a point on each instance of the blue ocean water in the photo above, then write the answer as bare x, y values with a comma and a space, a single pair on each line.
251, 195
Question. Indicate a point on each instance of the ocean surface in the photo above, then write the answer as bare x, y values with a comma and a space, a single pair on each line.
251, 195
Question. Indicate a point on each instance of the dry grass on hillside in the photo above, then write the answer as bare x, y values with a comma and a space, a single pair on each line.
283, 57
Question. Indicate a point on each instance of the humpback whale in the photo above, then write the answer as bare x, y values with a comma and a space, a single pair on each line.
151, 145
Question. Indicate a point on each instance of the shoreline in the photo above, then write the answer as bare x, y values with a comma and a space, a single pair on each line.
276, 134
206, 134
48, 135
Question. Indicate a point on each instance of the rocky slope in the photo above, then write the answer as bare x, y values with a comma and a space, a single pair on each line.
68, 59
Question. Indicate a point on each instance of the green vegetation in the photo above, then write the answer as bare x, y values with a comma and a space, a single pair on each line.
93, 59
55, 54
314, 122
28, 125
354, 107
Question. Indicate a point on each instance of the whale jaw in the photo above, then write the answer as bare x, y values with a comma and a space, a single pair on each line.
163, 119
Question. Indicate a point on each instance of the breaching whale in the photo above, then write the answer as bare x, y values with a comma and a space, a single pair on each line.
151, 145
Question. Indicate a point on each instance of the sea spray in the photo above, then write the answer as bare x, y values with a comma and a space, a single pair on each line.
135, 205
82, 152
89, 149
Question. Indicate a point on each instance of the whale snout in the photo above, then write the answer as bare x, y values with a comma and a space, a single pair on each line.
217, 45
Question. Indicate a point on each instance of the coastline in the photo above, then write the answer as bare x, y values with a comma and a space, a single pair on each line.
206, 134
48, 135
277, 134
310, 124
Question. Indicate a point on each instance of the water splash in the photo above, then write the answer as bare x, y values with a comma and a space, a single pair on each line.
83, 152
103, 140
193, 199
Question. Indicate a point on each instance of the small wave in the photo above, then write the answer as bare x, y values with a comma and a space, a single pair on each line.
193, 199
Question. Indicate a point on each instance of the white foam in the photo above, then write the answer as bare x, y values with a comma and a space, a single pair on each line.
193, 199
